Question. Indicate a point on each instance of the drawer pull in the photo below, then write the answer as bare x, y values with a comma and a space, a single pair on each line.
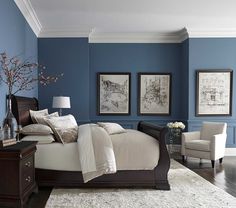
28, 164
28, 179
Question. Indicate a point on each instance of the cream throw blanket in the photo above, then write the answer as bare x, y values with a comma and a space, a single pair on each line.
95, 152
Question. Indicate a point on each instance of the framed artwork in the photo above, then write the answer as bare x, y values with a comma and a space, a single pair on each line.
113, 93
214, 92
154, 95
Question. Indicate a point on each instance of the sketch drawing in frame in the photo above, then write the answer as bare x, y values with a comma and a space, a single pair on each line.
214, 92
113, 93
154, 93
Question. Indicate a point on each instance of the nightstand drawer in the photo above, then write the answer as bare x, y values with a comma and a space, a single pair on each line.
27, 179
27, 164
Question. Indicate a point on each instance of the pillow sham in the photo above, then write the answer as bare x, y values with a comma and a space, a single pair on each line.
36, 129
43, 139
62, 122
41, 119
34, 114
68, 135
112, 128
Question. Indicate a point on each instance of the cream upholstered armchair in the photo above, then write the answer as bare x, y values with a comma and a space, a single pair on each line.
209, 143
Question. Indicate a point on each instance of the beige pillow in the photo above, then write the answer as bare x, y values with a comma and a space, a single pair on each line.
68, 135
41, 119
43, 139
36, 129
112, 128
62, 122
34, 114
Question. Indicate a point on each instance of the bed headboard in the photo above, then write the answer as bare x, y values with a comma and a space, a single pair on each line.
21, 107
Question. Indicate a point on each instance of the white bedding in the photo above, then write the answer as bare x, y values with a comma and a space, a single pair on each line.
133, 150
96, 153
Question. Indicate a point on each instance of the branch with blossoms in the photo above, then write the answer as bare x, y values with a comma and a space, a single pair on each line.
18, 76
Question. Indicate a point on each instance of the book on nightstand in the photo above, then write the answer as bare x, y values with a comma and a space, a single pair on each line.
7, 142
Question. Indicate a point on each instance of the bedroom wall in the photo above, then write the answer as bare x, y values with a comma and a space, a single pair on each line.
16, 38
80, 62
71, 57
212, 53
135, 58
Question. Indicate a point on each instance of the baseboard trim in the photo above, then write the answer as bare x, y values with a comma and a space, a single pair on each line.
228, 151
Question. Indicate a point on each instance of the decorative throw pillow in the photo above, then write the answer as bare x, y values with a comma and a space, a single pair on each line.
36, 129
41, 119
34, 114
42, 139
62, 122
68, 135
112, 128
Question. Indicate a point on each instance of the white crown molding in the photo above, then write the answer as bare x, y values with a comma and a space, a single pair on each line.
30, 15
152, 37
63, 33
211, 33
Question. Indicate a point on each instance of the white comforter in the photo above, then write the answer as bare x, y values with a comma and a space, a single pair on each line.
95, 152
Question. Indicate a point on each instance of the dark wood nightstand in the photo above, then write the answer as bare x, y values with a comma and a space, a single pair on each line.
17, 174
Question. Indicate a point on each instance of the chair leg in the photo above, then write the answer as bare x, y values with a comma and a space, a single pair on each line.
213, 163
200, 160
221, 160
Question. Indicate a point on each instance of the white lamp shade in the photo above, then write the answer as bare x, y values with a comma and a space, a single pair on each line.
61, 102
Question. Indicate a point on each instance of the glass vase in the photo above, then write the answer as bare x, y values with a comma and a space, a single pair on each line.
9, 123
174, 134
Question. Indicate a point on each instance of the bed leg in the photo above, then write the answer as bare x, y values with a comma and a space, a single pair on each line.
162, 186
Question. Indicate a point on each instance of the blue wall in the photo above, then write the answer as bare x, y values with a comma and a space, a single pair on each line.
16, 38
71, 57
212, 53
80, 61
184, 81
135, 58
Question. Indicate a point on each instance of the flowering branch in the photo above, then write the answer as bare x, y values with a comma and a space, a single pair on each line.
19, 75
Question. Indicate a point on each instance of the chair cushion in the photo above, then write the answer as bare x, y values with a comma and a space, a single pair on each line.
209, 129
201, 145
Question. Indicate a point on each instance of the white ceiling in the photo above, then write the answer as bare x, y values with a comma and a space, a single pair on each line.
80, 17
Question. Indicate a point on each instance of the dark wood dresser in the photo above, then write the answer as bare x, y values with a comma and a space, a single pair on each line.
17, 174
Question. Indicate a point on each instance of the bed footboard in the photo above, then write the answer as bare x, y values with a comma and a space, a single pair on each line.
161, 170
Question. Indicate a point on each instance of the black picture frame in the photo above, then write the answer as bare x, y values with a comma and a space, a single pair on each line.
214, 90
159, 96
113, 93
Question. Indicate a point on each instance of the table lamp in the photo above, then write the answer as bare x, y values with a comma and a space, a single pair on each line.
61, 102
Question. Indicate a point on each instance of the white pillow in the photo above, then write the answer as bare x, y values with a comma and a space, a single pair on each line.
36, 129
43, 139
62, 122
41, 119
67, 121
112, 128
34, 114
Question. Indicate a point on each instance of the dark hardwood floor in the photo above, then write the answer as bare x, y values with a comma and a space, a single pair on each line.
223, 176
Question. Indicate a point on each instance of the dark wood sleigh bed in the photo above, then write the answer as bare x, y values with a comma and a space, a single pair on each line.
156, 178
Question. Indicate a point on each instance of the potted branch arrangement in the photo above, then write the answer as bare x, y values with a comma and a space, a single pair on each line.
19, 76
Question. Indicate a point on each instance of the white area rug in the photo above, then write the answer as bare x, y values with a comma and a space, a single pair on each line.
188, 190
